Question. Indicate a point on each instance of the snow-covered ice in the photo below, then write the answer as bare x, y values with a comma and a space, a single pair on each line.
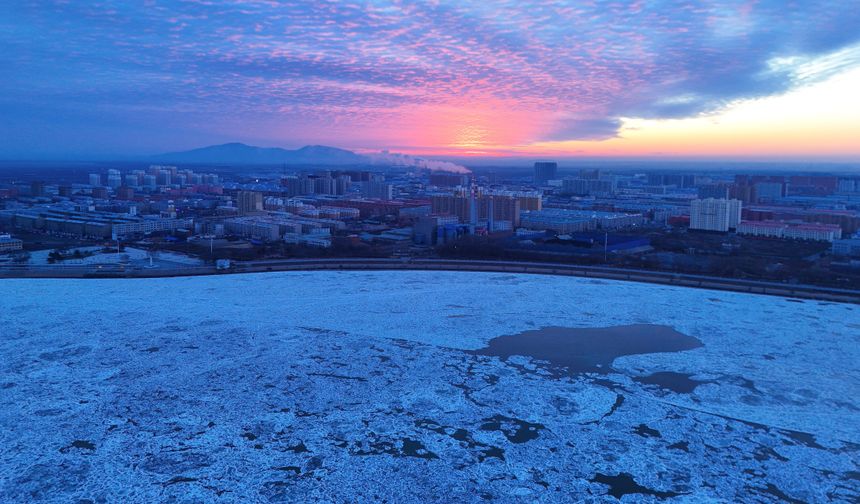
362, 387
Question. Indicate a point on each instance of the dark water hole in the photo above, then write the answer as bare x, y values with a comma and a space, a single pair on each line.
669, 380
572, 351
623, 484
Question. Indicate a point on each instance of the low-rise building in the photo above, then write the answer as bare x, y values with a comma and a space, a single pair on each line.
790, 230
571, 221
149, 224
9, 244
426, 229
309, 240
74, 221
814, 232
768, 229
274, 226
561, 221
849, 247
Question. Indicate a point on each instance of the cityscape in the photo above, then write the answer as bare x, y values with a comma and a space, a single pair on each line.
429, 251
789, 227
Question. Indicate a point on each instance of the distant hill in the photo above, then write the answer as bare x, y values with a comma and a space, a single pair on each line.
239, 154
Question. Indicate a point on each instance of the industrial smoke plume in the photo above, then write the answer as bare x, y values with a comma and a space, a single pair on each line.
391, 158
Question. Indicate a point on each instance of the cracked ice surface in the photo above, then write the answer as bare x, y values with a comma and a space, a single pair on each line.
358, 387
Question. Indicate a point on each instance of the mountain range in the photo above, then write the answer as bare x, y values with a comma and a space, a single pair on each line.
242, 154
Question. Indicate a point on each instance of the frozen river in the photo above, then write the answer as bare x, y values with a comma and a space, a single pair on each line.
422, 386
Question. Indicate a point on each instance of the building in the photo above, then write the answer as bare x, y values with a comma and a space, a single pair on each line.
813, 185
249, 202
274, 226
163, 178
790, 230
372, 208
448, 179
849, 220
770, 191
321, 183
848, 186
9, 244
712, 214
150, 182
150, 224
716, 191
545, 171
260, 228
451, 204
114, 179
125, 193
572, 221
314, 241
814, 232
491, 206
671, 179
66, 220
377, 190
560, 221
95, 179
584, 186
529, 200
768, 229
849, 247
593, 174
576, 187
37, 188
426, 229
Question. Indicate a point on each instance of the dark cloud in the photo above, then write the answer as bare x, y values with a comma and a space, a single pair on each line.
586, 129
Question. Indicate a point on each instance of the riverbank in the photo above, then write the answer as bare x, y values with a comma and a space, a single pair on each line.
657, 277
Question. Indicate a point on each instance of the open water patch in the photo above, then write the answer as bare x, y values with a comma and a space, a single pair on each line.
575, 350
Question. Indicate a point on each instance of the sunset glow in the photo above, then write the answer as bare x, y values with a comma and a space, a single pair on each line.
734, 79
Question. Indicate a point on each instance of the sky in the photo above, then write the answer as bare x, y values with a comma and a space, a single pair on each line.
764, 80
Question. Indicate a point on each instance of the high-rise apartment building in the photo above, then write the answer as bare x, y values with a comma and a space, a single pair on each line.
114, 179
37, 188
490, 207
769, 191
377, 190
545, 171
716, 191
712, 214
249, 202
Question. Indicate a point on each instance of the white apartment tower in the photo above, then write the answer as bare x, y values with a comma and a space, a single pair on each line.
715, 214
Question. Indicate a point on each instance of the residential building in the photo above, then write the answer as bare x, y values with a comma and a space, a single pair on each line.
545, 171
377, 190
791, 230
713, 214
249, 202
448, 179
769, 191
9, 244
849, 247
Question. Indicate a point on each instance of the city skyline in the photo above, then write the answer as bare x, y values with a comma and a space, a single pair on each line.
731, 80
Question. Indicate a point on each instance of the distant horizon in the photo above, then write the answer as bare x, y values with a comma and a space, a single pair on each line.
478, 161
